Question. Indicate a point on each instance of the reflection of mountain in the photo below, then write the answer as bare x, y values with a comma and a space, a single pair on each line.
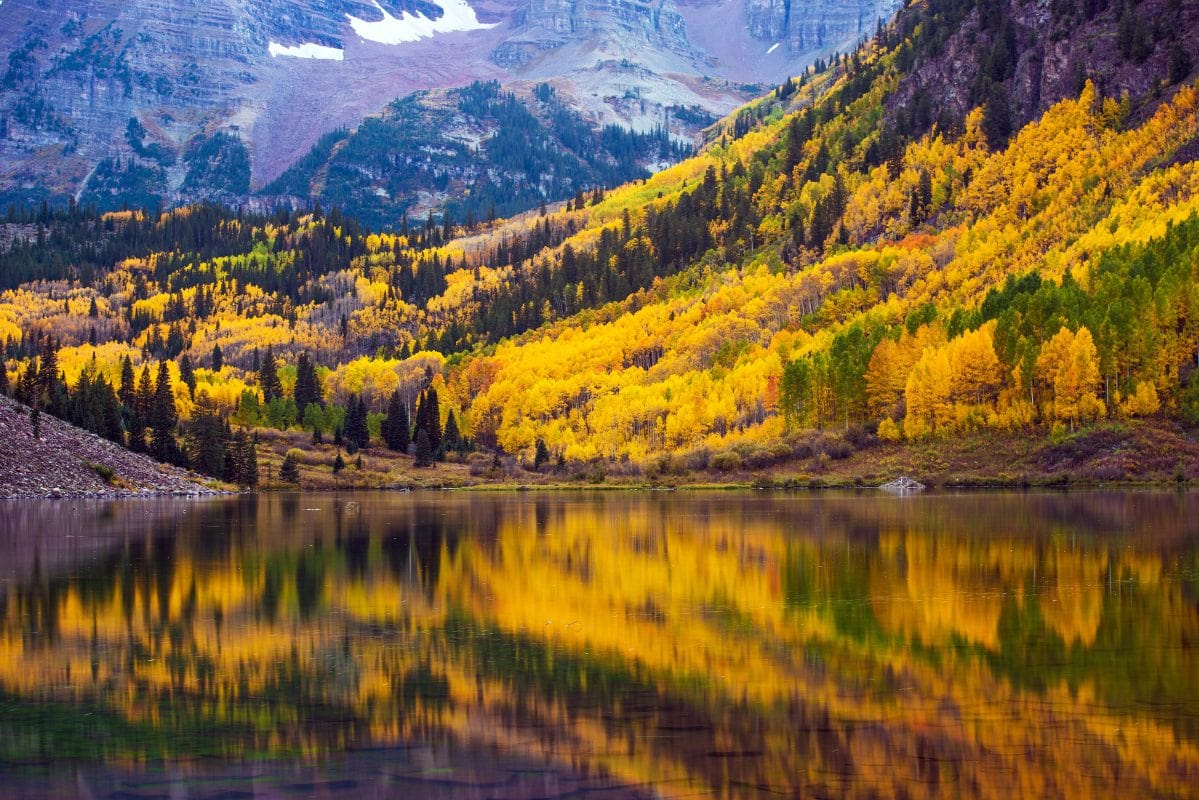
842, 645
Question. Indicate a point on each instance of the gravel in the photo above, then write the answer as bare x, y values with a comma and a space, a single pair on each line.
70, 462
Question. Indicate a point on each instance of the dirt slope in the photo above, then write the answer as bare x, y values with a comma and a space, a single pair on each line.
70, 462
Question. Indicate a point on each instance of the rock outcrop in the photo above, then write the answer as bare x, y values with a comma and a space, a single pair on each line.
814, 25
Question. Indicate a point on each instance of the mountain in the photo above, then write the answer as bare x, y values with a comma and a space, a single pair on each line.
189, 100
839, 270
474, 153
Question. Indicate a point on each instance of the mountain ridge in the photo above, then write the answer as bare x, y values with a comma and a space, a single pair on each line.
187, 73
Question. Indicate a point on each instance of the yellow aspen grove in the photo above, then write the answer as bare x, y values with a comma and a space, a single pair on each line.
976, 372
1076, 383
1143, 402
928, 394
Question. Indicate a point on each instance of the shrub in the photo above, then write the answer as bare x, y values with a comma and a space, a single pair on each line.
104, 473
698, 459
888, 431
728, 461
478, 464
838, 449
862, 436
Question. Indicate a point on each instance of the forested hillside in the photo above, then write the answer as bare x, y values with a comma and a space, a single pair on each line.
835, 259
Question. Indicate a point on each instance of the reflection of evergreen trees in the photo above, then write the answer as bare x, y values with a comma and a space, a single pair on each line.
256, 564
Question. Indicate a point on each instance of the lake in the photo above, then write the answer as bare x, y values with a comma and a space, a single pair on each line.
601, 645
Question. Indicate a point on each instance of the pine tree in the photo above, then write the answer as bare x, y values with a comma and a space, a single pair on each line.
396, 425
206, 442
164, 417
3, 375
339, 464
541, 456
356, 429
268, 377
128, 390
451, 439
308, 387
424, 450
289, 472
218, 358
428, 418
187, 374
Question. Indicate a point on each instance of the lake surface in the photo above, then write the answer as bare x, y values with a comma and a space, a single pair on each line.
454, 645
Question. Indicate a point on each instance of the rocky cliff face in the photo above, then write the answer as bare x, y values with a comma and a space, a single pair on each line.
145, 101
806, 26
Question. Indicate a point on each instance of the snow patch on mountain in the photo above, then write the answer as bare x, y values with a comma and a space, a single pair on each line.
306, 50
457, 16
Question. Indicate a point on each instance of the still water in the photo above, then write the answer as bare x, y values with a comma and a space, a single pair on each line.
454, 645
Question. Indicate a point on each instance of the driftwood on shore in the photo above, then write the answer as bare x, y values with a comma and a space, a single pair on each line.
903, 484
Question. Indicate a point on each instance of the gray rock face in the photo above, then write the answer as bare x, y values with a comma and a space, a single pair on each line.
119, 99
813, 25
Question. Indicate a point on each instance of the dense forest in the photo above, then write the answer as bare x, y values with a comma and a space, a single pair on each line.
836, 258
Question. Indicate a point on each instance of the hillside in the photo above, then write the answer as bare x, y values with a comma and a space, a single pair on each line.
64, 461
829, 266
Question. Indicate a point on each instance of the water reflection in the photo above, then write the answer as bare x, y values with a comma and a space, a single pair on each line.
735, 645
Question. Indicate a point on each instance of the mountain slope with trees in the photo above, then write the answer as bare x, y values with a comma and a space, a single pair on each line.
819, 279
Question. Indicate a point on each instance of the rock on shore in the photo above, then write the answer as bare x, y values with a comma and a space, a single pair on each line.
70, 462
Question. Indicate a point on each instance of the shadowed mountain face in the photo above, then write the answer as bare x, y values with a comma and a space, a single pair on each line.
180, 99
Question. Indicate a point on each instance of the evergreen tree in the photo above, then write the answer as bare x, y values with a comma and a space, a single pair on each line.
241, 460
3, 375
356, 429
218, 358
428, 418
424, 449
206, 442
997, 117
339, 464
308, 387
451, 438
268, 377
541, 456
35, 421
187, 374
128, 390
289, 471
396, 425
139, 414
164, 417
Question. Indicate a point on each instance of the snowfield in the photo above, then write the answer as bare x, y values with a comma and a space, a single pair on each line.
458, 16
307, 50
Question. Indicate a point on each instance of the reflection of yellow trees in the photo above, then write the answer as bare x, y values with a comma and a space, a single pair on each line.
853, 643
